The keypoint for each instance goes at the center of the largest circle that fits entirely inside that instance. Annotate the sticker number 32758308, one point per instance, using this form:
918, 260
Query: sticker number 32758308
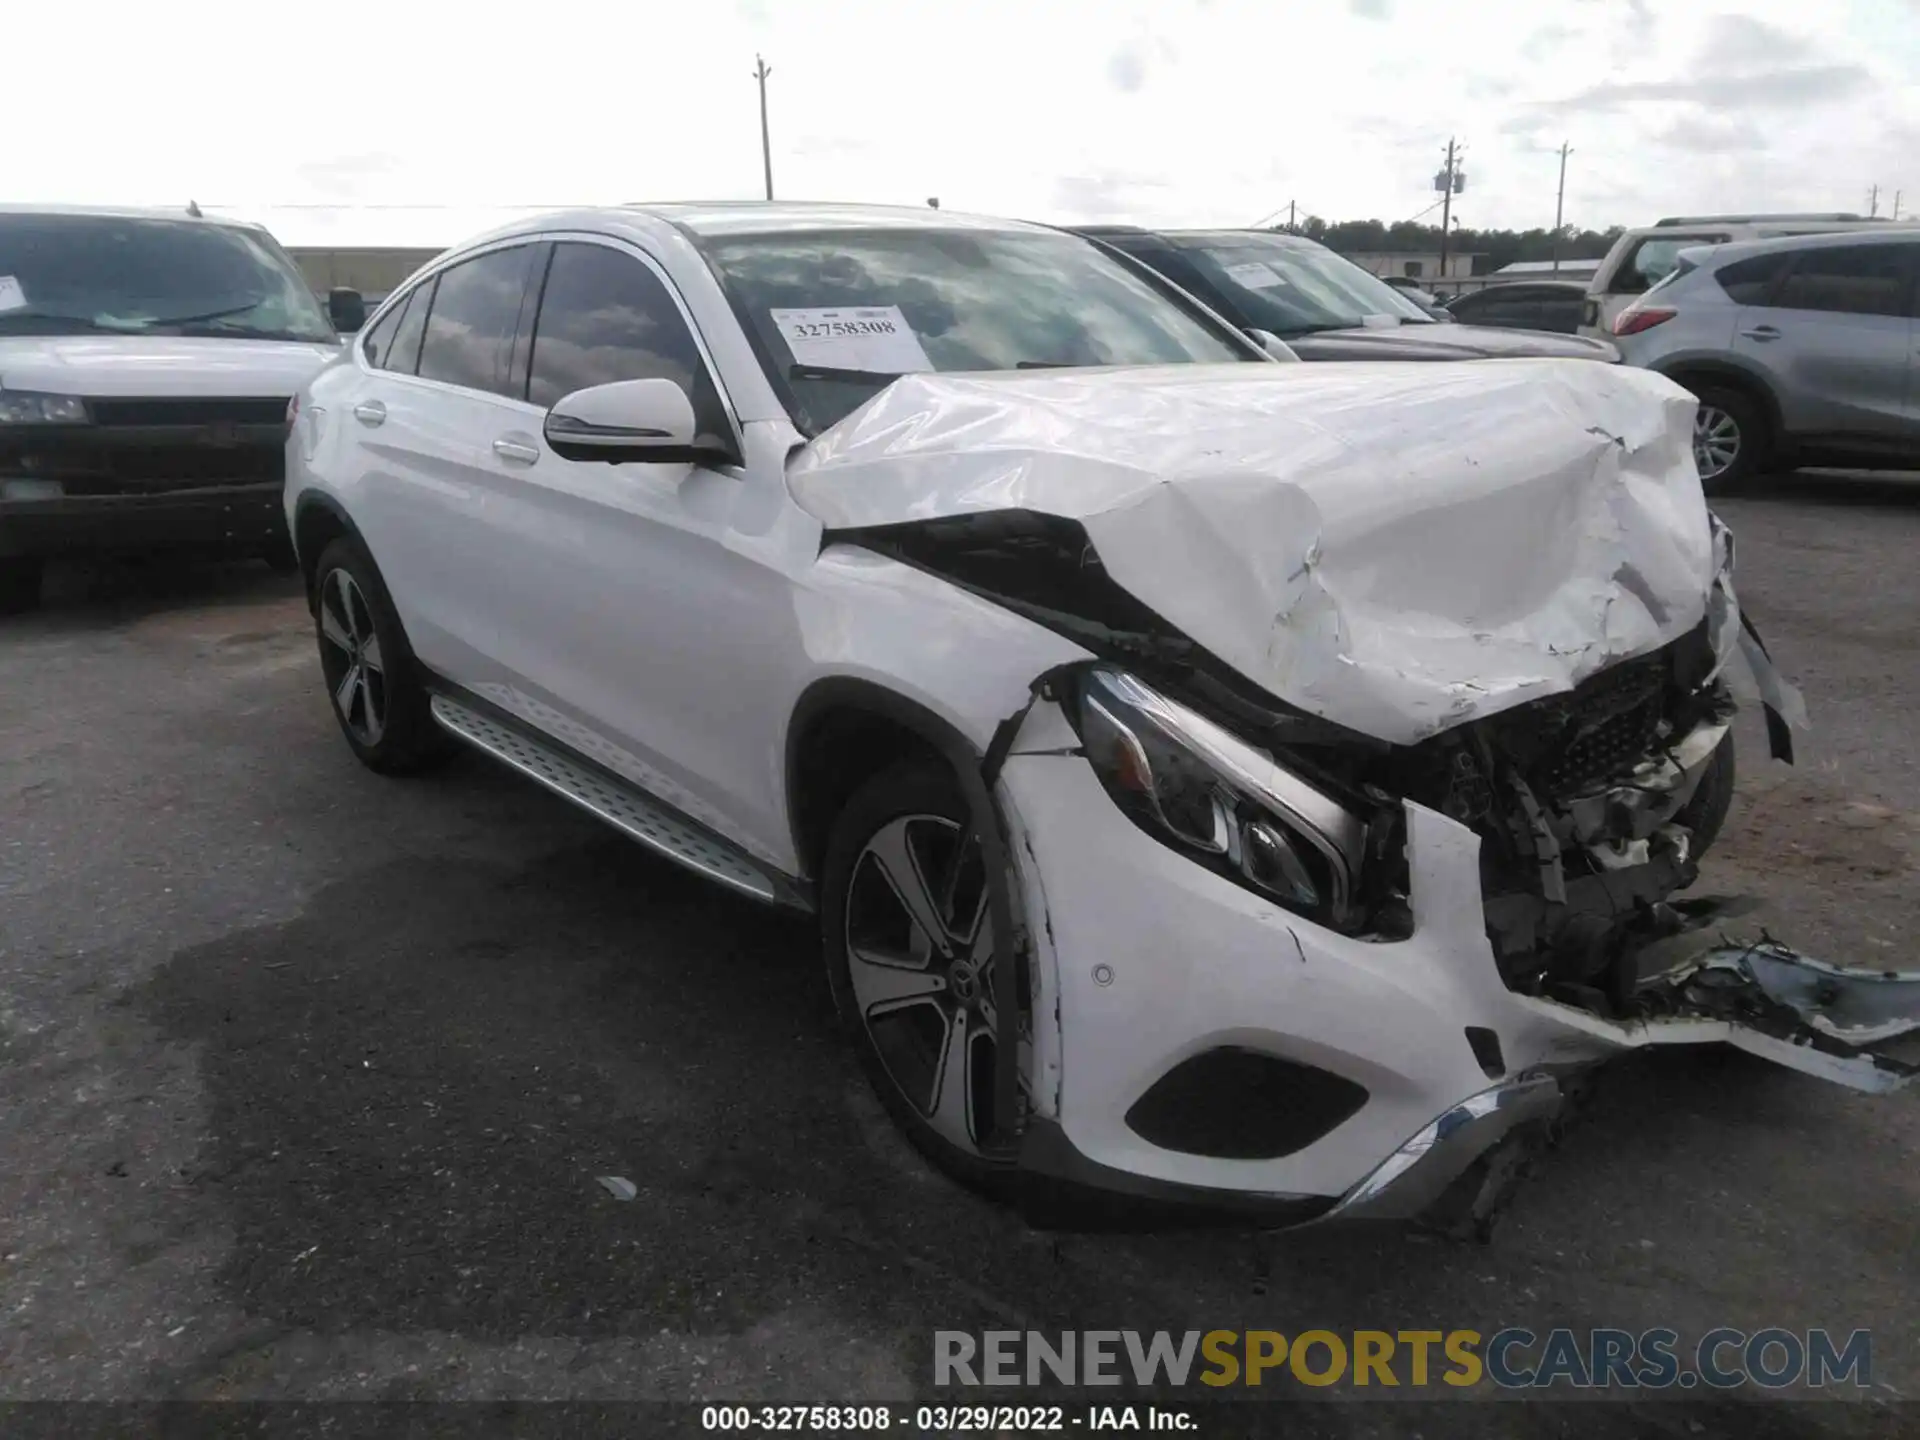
12, 297
871, 337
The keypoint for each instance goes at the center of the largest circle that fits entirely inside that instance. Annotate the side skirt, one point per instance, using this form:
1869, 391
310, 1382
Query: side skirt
613, 800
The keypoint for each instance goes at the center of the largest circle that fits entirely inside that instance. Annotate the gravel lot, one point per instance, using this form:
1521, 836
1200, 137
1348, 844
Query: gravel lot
306, 1076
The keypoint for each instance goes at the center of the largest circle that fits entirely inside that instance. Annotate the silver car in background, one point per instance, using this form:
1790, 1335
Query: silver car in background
1801, 351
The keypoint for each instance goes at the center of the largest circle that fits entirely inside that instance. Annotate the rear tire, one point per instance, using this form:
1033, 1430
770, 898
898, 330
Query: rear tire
1730, 440
905, 820
374, 684
19, 584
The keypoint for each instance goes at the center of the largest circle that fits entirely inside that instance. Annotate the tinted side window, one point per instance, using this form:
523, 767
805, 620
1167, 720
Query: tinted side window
374, 343
404, 354
476, 308
604, 316
1751, 281
1848, 280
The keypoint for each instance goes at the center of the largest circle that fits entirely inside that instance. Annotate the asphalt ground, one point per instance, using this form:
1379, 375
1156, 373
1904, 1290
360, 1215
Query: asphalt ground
306, 1076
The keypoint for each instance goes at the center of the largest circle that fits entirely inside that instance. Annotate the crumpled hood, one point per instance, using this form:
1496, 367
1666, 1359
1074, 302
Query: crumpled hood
1396, 548
159, 366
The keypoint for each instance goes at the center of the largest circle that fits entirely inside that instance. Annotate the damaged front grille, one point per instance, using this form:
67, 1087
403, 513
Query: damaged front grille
1571, 743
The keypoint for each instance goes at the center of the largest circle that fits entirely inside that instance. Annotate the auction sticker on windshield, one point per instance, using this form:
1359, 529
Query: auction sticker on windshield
12, 297
871, 337
1255, 275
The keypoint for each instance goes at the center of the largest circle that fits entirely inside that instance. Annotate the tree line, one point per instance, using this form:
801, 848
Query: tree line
1491, 248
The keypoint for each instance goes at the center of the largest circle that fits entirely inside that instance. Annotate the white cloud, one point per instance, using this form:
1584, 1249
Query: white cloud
1161, 111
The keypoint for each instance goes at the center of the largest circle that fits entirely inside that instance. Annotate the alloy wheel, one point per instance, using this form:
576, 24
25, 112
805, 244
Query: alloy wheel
919, 946
351, 658
1716, 441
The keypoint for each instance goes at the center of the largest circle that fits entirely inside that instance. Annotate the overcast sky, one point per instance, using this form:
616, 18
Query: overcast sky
1175, 112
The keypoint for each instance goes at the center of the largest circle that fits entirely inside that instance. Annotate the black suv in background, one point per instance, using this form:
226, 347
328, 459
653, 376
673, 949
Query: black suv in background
1321, 304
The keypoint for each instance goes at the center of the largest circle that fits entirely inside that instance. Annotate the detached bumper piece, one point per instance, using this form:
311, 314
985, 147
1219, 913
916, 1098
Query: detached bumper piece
1858, 1028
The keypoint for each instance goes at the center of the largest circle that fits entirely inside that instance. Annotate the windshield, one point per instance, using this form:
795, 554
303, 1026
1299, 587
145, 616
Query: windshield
836, 316
98, 274
1295, 289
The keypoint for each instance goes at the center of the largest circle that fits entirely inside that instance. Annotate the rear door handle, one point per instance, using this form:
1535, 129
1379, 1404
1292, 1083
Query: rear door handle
516, 452
370, 412
1761, 332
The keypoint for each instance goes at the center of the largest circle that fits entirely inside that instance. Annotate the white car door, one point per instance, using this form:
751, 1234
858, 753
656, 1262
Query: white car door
643, 613
427, 406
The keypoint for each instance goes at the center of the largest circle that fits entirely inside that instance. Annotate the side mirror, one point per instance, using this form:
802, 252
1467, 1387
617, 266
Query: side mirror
1275, 347
638, 420
346, 309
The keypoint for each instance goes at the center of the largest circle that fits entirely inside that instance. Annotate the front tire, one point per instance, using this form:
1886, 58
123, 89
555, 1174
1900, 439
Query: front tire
909, 945
1729, 438
1705, 814
373, 682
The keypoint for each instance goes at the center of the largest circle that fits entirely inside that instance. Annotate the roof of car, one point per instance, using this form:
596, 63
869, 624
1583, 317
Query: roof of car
754, 217
126, 212
1891, 235
1226, 234
1515, 287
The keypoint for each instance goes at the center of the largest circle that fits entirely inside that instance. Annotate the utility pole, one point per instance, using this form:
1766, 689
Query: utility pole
1559, 204
760, 72
1896, 203
1290, 226
1873, 202
1449, 182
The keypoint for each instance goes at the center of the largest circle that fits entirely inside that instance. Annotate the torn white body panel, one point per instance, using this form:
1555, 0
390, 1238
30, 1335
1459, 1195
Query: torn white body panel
1399, 549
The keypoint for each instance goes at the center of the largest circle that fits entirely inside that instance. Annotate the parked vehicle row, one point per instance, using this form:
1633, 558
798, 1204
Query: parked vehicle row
1641, 258
1321, 304
1121, 701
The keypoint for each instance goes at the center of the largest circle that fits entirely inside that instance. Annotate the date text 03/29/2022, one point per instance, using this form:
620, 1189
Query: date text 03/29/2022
942, 1419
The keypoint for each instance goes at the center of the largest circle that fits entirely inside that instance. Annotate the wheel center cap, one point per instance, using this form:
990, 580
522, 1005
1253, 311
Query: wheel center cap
965, 979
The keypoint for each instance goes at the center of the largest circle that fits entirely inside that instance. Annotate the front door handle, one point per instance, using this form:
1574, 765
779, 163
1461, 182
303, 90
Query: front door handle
1761, 332
516, 452
370, 412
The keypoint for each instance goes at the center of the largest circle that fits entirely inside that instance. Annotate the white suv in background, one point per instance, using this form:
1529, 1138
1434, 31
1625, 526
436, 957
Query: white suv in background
1641, 259
1132, 711
146, 361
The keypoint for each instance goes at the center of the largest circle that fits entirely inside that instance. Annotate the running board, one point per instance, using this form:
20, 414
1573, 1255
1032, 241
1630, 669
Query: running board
619, 804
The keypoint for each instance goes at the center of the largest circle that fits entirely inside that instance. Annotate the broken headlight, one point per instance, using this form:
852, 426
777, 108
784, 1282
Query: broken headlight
1217, 799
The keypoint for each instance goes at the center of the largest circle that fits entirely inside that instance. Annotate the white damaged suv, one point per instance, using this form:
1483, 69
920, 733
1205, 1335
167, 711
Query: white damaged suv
1220, 783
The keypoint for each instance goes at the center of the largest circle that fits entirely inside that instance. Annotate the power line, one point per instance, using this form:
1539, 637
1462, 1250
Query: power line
1291, 210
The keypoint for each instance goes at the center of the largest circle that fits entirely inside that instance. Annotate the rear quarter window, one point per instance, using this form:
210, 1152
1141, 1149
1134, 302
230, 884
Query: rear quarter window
1752, 281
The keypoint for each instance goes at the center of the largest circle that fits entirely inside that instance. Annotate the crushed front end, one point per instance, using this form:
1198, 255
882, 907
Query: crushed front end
1369, 826
1298, 972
